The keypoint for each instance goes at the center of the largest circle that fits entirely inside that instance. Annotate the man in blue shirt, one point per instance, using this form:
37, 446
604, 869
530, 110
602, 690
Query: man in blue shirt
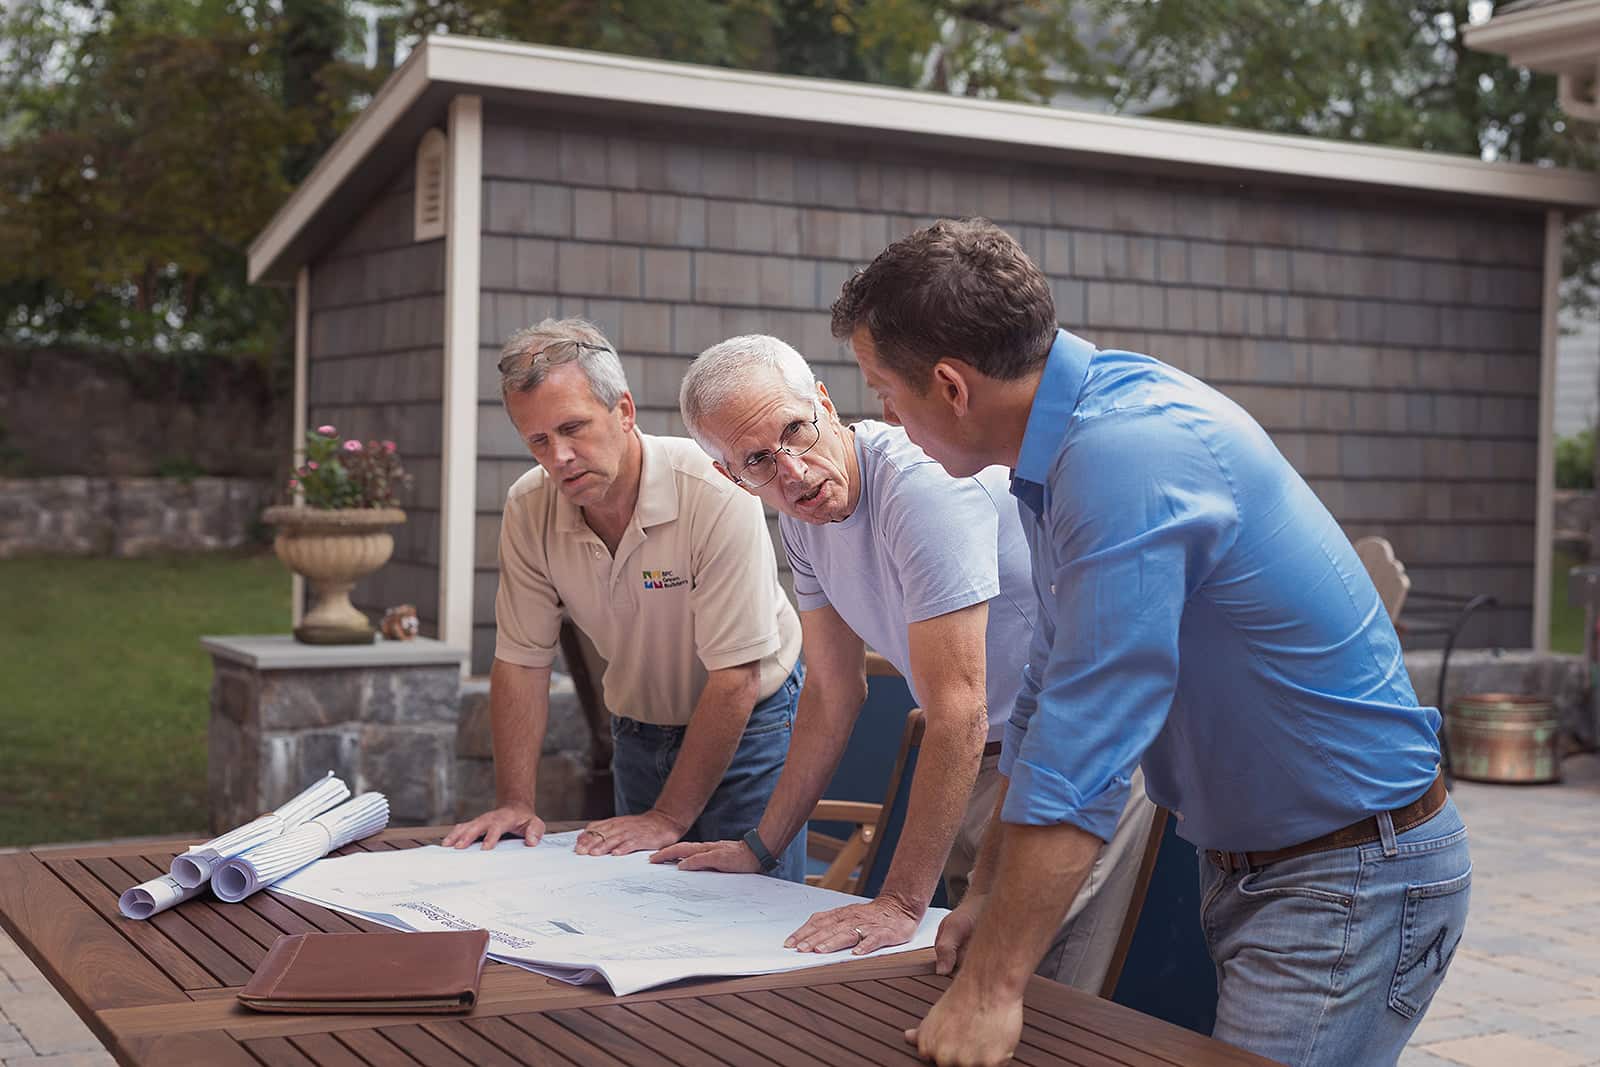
1202, 615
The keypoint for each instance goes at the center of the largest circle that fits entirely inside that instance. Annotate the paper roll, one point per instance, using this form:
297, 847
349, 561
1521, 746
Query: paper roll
156, 895
242, 875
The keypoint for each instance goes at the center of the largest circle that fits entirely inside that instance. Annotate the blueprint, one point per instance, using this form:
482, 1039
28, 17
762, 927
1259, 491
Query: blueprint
622, 919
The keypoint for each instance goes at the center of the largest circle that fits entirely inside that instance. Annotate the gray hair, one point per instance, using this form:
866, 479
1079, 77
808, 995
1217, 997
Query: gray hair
524, 362
726, 369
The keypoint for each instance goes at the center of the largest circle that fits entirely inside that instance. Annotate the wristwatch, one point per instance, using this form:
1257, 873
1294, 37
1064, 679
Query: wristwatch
768, 861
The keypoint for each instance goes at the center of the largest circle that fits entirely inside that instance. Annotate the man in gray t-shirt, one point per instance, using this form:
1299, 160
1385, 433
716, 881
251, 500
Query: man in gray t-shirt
932, 572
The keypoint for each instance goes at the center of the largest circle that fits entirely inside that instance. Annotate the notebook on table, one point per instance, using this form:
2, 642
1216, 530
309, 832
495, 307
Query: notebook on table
384, 971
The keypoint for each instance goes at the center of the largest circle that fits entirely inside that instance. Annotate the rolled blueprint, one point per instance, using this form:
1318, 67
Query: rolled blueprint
158, 894
242, 875
195, 867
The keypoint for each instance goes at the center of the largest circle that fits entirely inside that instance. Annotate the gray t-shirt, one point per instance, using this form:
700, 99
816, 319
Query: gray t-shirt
920, 544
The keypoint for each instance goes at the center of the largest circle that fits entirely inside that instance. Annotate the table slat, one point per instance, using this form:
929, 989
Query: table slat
670, 1045
859, 1041
586, 1026
517, 1044
325, 1051
161, 949
715, 1044
91, 964
768, 1047
424, 1047
178, 924
278, 1052
376, 1049
212, 1049
548, 1032
470, 1044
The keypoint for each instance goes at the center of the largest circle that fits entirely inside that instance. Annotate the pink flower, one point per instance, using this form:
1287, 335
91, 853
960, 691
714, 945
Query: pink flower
326, 431
388, 446
312, 465
294, 483
352, 445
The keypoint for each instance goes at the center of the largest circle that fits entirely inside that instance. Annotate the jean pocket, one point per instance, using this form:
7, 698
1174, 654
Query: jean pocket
1279, 880
1435, 915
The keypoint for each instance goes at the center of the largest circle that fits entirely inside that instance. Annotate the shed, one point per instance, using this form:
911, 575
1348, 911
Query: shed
1387, 315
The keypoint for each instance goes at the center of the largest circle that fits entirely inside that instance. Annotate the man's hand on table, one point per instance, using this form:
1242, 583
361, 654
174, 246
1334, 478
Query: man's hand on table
493, 825
629, 833
862, 928
969, 1027
955, 931
733, 857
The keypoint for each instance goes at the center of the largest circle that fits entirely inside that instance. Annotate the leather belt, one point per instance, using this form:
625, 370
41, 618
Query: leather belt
1363, 832
992, 748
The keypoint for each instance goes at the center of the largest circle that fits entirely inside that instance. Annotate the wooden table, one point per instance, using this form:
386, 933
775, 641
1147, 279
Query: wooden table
162, 992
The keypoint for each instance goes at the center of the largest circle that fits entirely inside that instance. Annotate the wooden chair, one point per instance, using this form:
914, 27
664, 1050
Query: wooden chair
853, 860
1386, 572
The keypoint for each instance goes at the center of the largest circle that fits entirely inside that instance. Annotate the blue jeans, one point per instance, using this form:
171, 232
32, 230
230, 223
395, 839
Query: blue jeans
1330, 960
644, 755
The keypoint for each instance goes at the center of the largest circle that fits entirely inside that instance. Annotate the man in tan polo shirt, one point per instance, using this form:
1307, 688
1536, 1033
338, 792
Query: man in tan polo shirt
669, 569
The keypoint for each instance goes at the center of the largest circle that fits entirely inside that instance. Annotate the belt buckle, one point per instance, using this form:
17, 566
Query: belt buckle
1225, 861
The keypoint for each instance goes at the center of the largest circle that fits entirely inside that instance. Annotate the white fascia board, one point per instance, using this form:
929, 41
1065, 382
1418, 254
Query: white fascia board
870, 109
1541, 38
342, 158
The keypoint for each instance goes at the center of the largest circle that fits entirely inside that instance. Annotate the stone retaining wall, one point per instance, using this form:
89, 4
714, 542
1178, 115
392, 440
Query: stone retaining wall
123, 517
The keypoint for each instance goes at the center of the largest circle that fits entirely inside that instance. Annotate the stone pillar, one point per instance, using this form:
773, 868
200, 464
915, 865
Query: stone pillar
565, 761
381, 716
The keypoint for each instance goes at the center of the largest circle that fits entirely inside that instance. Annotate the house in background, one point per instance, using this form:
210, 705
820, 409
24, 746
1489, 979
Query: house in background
1560, 37
1388, 316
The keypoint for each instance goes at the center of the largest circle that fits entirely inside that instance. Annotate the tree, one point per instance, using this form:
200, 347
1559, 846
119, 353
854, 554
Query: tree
147, 144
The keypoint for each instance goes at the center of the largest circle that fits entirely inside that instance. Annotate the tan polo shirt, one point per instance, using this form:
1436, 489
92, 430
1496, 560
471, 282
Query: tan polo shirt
693, 586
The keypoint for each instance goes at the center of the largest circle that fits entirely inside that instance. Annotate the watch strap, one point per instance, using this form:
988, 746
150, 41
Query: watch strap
768, 861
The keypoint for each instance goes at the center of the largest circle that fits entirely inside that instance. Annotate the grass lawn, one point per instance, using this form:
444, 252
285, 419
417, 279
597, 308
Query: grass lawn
1566, 619
104, 689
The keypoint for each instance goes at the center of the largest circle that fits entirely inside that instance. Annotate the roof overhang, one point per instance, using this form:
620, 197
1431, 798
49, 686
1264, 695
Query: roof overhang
383, 137
1558, 38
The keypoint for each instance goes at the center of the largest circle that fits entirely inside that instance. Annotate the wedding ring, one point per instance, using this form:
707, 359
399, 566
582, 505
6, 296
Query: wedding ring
860, 937
597, 833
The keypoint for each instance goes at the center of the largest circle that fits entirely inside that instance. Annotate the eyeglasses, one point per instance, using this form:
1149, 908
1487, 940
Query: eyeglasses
554, 353
798, 439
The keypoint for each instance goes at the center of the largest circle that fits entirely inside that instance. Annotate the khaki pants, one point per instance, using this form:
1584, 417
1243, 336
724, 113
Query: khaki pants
1081, 953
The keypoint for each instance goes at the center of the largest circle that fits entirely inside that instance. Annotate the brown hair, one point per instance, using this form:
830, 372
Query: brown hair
961, 289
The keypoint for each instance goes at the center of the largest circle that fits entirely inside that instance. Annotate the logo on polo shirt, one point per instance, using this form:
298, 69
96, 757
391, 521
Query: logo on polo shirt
663, 580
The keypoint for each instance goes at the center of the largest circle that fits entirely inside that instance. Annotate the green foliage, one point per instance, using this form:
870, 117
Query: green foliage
145, 145
1575, 461
1009, 49
105, 683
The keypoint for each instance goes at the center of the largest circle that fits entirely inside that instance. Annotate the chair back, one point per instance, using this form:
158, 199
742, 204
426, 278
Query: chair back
877, 767
1386, 572
1163, 966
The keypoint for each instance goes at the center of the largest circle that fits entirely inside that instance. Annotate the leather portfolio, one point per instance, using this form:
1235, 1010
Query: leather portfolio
383, 971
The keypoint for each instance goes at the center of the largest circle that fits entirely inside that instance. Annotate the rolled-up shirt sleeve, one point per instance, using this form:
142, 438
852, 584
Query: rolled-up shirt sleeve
1137, 514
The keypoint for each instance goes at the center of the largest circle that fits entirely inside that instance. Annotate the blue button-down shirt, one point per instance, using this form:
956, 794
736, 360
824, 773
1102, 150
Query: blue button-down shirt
1201, 613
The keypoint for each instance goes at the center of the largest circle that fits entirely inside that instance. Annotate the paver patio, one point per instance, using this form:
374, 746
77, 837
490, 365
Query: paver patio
1524, 988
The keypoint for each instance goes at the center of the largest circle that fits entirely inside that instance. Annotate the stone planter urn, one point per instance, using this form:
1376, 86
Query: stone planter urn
331, 549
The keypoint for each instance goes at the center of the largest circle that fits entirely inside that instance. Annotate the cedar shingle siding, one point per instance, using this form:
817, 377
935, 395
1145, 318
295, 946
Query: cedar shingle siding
375, 370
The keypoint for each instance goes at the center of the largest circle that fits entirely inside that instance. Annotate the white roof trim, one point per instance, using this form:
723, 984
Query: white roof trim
1555, 39
478, 64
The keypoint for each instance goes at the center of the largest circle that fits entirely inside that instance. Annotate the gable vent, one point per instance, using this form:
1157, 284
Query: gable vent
430, 192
